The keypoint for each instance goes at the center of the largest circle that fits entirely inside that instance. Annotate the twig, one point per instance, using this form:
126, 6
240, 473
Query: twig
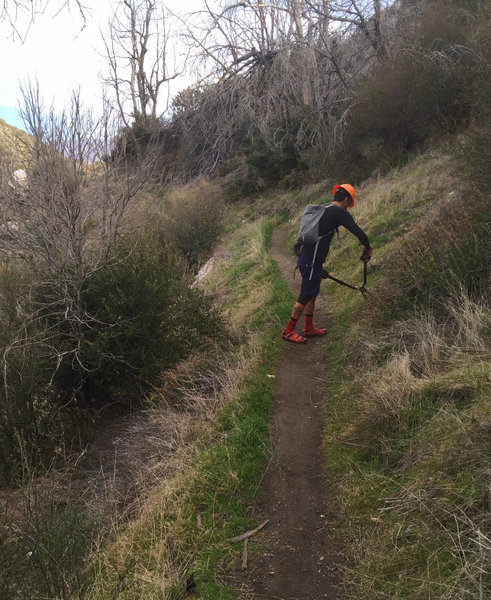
239, 538
275, 597
244, 555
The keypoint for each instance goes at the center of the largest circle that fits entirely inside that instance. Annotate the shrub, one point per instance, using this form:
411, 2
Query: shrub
43, 546
474, 147
131, 141
241, 188
194, 220
144, 318
29, 418
401, 106
428, 88
269, 166
30, 422
149, 318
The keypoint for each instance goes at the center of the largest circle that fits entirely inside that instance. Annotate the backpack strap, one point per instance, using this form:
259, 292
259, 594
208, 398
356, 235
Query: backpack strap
313, 258
317, 244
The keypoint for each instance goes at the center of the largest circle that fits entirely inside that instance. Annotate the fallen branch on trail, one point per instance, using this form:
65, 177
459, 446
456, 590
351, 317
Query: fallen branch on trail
248, 534
244, 555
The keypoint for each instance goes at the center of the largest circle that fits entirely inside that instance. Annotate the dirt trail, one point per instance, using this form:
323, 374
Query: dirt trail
297, 556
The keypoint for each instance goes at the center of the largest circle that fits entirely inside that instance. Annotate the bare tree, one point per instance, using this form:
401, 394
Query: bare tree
347, 17
62, 222
139, 58
245, 35
296, 63
25, 11
277, 54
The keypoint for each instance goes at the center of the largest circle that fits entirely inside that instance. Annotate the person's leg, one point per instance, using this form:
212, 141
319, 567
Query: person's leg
309, 289
289, 331
309, 314
309, 330
295, 316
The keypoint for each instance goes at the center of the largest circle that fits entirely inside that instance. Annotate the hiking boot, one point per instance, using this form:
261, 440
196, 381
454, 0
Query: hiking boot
293, 337
314, 332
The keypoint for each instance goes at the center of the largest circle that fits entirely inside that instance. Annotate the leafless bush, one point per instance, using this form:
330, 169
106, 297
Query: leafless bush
63, 221
58, 228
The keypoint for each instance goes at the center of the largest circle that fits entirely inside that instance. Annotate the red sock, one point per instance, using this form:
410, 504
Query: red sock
291, 325
309, 321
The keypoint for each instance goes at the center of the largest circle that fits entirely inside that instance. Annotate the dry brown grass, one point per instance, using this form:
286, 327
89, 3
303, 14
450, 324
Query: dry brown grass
151, 446
398, 364
422, 392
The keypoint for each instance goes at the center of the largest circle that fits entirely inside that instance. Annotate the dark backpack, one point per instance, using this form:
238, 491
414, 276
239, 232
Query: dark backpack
308, 234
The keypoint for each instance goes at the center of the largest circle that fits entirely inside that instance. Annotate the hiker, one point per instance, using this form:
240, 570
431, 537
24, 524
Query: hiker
311, 258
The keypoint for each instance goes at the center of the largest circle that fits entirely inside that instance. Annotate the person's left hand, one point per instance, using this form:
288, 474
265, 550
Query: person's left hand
325, 274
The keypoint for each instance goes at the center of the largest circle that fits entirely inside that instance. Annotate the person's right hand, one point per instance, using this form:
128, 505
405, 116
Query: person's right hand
366, 255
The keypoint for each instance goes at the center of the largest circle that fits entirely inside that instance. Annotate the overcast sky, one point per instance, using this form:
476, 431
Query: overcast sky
62, 54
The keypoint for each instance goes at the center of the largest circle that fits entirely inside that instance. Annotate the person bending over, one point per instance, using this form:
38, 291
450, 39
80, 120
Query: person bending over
312, 257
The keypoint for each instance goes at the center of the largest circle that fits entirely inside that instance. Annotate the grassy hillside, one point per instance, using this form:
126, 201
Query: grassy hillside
406, 414
407, 410
15, 146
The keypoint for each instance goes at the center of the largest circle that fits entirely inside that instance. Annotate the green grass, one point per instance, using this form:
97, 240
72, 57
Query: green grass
403, 514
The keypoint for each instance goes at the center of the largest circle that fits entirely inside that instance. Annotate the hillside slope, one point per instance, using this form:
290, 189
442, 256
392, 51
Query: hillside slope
408, 385
407, 425
406, 418
15, 146
406, 399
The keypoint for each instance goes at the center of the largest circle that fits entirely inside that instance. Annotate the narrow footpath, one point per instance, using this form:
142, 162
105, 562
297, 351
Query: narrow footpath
297, 555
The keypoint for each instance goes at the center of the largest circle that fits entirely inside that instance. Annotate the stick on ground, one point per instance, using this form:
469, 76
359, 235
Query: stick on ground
244, 555
248, 534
